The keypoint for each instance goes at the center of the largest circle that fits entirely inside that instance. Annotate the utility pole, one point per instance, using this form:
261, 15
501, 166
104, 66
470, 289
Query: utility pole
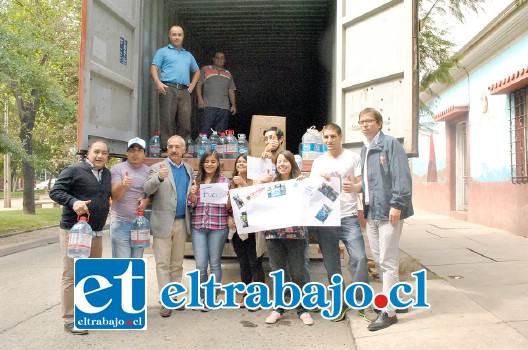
7, 163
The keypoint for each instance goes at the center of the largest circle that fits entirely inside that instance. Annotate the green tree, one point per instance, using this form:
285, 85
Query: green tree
38, 67
436, 56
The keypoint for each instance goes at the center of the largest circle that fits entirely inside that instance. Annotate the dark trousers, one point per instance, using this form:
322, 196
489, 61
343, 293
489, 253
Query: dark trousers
214, 118
250, 265
289, 253
175, 114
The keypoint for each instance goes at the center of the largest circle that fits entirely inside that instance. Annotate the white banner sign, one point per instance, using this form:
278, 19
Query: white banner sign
309, 202
257, 167
216, 193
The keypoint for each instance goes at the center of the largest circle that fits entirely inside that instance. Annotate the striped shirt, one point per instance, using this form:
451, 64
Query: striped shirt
207, 215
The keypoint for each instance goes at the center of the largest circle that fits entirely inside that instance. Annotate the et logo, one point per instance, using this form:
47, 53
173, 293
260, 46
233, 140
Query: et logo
110, 294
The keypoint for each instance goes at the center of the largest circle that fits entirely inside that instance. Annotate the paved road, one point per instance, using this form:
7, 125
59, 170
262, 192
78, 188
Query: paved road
30, 315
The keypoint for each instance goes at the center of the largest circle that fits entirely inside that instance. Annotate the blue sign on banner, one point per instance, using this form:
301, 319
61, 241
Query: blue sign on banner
110, 294
123, 53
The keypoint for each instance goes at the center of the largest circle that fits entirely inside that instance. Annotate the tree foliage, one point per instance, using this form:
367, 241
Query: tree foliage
436, 52
38, 73
436, 56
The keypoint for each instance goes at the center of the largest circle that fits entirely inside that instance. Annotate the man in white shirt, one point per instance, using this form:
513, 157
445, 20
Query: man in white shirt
346, 165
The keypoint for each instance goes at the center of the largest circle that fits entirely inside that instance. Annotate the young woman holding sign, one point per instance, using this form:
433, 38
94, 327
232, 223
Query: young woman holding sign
286, 245
208, 221
245, 244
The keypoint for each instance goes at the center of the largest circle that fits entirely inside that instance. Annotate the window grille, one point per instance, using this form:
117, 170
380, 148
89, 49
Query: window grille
518, 135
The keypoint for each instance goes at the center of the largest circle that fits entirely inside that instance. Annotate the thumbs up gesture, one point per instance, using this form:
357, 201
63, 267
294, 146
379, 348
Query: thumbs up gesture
127, 180
163, 171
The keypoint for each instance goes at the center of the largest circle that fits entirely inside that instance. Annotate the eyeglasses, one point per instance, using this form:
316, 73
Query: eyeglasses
366, 121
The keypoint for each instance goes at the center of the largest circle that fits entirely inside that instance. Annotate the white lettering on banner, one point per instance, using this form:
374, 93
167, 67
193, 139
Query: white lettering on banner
215, 193
310, 202
257, 167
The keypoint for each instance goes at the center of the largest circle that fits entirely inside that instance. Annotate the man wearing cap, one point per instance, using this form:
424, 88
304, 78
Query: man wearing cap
128, 179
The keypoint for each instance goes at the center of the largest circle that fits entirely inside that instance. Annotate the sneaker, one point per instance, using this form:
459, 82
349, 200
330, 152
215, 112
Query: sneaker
204, 308
342, 315
368, 314
307, 319
273, 317
68, 327
164, 312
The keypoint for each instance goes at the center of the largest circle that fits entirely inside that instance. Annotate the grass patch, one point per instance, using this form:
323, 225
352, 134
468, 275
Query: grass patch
16, 221
20, 194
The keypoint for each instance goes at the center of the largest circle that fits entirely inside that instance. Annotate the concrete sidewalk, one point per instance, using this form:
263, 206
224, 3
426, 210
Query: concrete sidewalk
479, 301
477, 288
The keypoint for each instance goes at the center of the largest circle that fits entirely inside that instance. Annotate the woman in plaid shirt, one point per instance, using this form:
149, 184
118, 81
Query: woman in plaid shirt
208, 221
286, 245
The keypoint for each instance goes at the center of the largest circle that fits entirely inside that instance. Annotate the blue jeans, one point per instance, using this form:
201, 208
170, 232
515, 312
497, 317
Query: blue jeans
208, 246
214, 118
350, 234
120, 234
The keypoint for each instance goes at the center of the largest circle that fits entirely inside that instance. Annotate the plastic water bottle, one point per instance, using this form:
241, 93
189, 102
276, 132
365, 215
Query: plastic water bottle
309, 144
202, 145
140, 233
213, 139
231, 145
320, 144
242, 144
298, 160
221, 145
154, 145
80, 240
191, 148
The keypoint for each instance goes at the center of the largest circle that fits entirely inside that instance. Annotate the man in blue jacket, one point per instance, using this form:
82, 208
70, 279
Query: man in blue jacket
83, 188
387, 194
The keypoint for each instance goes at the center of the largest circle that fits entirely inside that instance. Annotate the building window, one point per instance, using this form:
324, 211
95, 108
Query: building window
518, 135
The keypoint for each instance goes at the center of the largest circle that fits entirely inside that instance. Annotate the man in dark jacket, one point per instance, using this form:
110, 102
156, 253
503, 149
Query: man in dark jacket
82, 188
387, 195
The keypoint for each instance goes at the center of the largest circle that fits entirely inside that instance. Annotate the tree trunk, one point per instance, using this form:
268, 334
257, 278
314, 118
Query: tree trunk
27, 111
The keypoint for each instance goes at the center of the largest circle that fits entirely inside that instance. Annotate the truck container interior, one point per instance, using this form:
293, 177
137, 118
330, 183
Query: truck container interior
279, 52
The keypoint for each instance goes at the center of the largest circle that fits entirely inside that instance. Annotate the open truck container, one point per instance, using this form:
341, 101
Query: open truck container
313, 61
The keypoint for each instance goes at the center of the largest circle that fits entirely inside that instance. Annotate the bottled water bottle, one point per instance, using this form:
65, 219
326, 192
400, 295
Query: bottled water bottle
298, 160
242, 144
191, 148
309, 145
231, 145
154, 145
80, 240
221, 145
202, 145
213, 139
140, 233
320, 144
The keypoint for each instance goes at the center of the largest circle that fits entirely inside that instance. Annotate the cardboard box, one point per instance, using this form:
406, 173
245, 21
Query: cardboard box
259, 123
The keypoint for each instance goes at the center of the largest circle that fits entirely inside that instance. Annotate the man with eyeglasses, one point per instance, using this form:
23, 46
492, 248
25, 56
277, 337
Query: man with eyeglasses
273, 138
387, 189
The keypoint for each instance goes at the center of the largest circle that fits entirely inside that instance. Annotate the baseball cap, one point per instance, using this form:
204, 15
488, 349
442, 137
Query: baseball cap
137, 141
